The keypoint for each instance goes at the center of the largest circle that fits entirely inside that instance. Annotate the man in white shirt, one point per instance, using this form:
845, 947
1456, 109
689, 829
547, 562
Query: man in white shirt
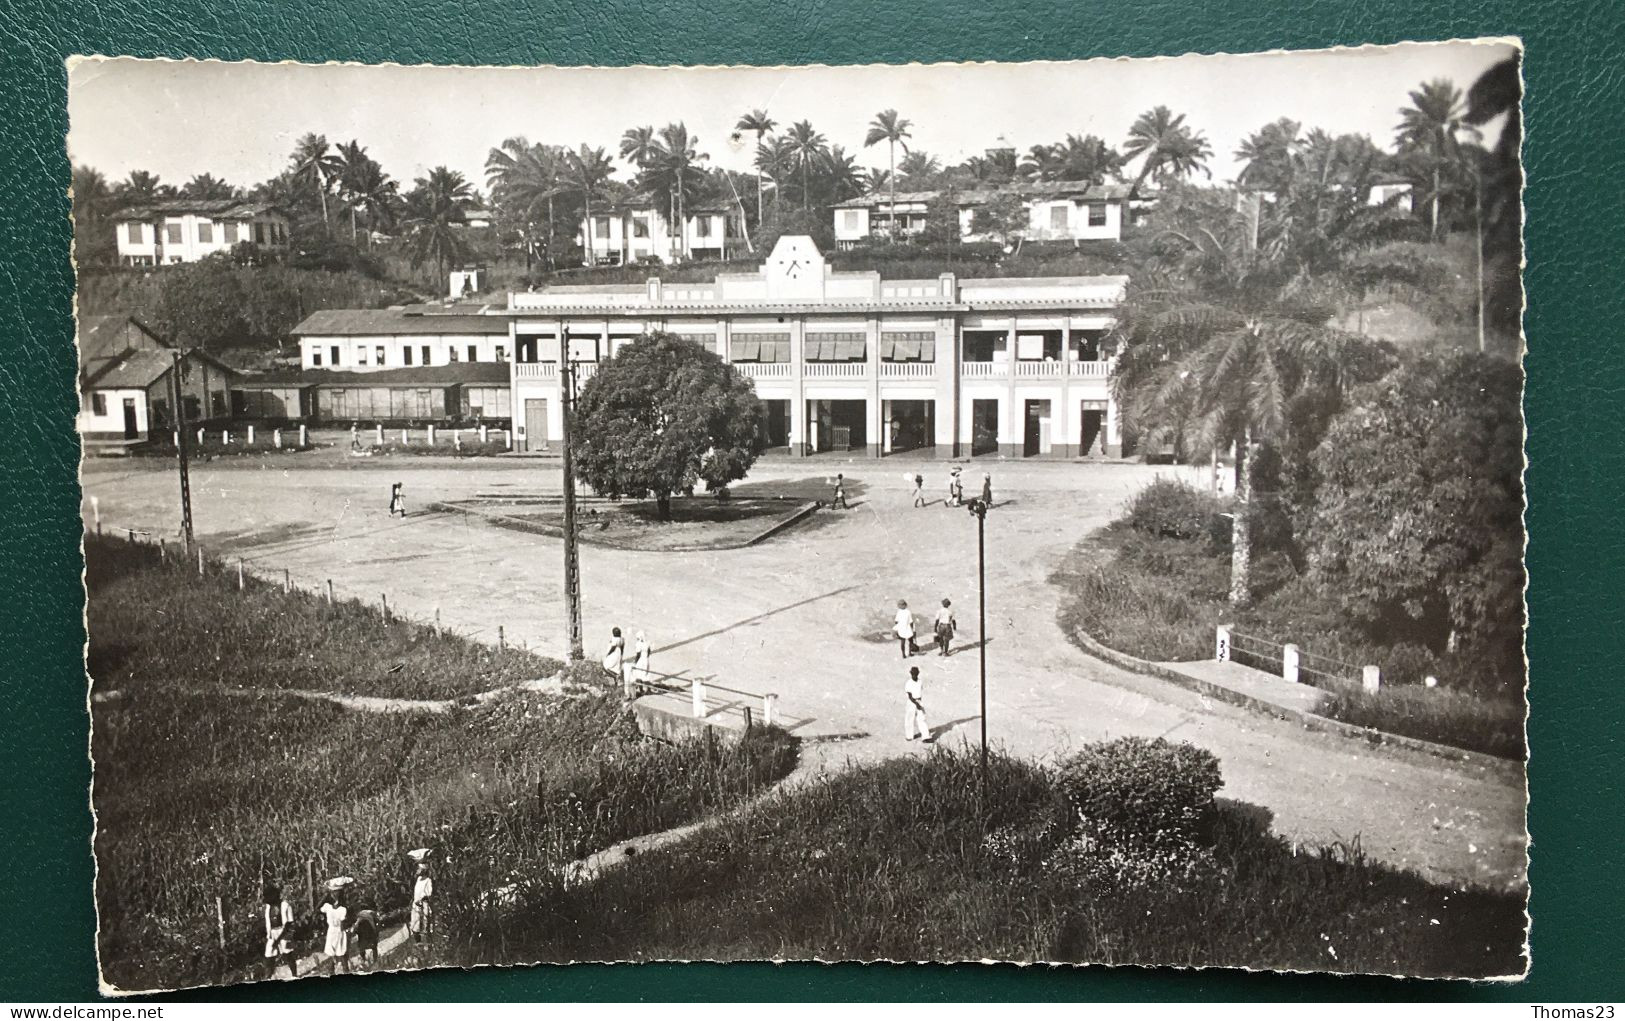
914, 708
903, 627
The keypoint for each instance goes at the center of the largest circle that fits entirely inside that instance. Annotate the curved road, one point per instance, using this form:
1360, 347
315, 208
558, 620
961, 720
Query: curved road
802, 615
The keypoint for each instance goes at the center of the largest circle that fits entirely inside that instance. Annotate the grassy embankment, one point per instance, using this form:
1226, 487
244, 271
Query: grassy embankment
1159, 597
894, 861
200, 793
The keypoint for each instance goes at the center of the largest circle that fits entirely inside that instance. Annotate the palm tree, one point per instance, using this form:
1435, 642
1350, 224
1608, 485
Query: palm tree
893, 130
920, 169
207, 186
808, 150
844, 177
315, 162
435, 204
759, 122
774, 159
1087, 159
1042, 163
525, 179
676, 157
638, 145
1271, 155
1430, 130
142, 188
1171, 149
588, 170
93, 200
366, 190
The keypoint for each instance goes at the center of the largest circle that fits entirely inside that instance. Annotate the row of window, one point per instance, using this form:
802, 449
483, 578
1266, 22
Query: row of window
640, 226
230, 231
380, 352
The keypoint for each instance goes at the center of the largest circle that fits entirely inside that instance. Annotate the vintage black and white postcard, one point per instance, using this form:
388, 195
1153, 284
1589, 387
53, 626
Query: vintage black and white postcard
1053, 512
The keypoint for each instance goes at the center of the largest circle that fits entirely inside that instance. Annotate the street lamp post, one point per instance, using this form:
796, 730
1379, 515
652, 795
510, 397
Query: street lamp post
978, 508
572, 560
180, 449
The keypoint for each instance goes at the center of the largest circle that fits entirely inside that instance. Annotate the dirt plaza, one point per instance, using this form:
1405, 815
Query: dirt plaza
804, 615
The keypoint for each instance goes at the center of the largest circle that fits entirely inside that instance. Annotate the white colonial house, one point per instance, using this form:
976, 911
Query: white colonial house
127, 383
1072, 211
635, 232
850, 362
186, 230
1387, 188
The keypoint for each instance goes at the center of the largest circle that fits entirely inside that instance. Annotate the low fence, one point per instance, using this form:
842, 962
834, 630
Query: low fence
1293, 664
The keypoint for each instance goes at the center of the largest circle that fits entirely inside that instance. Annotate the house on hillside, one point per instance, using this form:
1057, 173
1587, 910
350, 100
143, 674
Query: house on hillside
186, 230
1391, 187
636, 231
127, 382
1072, 211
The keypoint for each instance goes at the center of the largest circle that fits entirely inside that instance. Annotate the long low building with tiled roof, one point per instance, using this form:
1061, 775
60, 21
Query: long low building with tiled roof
1074, 211
186, 230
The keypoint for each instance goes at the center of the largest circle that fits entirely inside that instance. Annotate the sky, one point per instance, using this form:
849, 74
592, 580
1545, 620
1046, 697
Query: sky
240, 121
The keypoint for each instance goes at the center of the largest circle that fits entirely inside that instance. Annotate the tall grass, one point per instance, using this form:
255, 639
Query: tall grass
202, 794
897, 861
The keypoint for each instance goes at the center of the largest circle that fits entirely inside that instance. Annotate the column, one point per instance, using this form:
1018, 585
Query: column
879, 442
799, 433
1010, 422
946, 410
1066, 422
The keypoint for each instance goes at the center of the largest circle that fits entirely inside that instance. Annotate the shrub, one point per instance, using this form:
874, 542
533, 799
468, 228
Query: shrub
1173, 510
1142, 790
1408, 663
1494, 726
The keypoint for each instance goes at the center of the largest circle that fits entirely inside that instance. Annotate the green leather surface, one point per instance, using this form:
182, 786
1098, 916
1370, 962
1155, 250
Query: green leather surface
1573, 159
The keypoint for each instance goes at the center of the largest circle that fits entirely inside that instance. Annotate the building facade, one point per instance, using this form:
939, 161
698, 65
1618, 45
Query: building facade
635, 232
127, 382
183, 230
1072, 211
852, 363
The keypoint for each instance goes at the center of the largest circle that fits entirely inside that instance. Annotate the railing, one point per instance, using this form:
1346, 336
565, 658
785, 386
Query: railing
536, 370
908, 370
984, 370
764, 370
1038, 370
1291, 662
1089, 370
836, 370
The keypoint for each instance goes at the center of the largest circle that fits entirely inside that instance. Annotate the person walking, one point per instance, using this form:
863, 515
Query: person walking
914, 724
945, 626
956, 489
987, 489
278, 917
840, 493
422, 918
337, 946
903, 627
615, 655
397, 500
919, 490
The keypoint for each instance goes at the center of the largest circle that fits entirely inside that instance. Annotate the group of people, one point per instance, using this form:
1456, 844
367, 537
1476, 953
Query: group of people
347, 932
943, 628
631, 668
956, 488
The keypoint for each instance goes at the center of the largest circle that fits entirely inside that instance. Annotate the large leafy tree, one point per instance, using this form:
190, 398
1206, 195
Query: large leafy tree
1417, 522
662, 416
1430, 135
893, 130
434, 207
1170, 149
759, 122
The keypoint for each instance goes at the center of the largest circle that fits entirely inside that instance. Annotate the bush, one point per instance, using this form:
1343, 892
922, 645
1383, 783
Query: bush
1494, 726
1174, 510
1408, 663
1142, 790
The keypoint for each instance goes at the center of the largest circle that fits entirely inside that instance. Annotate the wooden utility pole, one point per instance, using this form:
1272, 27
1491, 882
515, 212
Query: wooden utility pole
180, 448
979, 509
572, 560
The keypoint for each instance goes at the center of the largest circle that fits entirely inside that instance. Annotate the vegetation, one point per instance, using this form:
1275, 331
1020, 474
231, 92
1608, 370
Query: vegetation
661, 416
900, 861
202, 794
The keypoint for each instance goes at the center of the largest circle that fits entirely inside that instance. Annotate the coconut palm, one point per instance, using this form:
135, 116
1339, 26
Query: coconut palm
1087, 159
526, 180
759, 122
1430, 131
1170, 149
843, 177
434, 206
893, 130
207, 186
776, 158
1271, 155
366, 190
676, 160
316, 163
142, 188
588, 170
808, 150
1042, 163
920, 169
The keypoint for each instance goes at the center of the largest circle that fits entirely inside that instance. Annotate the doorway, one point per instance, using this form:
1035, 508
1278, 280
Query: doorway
535, 424
984, 426
1035, 437
910, 425
1089, 429
130, 430
776, 424
837, 425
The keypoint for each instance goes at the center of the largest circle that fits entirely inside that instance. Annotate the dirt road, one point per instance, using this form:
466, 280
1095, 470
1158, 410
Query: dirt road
803, 616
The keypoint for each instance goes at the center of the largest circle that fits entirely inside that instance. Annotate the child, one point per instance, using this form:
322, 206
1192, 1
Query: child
919, 490
987, 489
945, 627
840, 493
422, 897
337, 946
278, 918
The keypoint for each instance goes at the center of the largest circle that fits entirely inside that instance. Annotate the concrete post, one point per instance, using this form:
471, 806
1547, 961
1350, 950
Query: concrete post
405, 437
457, 439
1289, 663
176, 435
251, 436
770, 703
380, 433
1431, 681
96, 512
1221, 643
239, 573
200, 560
225, 437
697, 690
330, 592
276, 438
431, 435
287, 581
304, 437
507, 436
1371, 679
485, 435
200, 437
